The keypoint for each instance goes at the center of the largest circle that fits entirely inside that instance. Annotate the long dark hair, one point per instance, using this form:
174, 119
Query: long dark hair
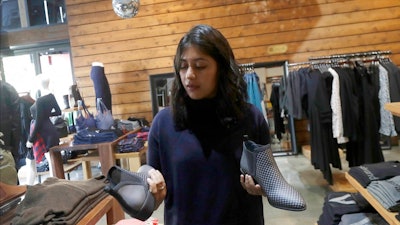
231, 88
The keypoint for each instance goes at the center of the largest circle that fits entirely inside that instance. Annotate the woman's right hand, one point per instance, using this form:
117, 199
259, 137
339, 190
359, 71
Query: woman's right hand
157, 185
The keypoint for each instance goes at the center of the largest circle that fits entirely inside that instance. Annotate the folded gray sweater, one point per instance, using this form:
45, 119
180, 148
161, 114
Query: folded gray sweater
58, 200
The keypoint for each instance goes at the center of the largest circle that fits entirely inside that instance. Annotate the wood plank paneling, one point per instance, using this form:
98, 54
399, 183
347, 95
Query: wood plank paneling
26, 37
300, 27
133, 49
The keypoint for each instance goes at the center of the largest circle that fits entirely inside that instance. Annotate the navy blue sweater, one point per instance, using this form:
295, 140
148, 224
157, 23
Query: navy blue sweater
205, 188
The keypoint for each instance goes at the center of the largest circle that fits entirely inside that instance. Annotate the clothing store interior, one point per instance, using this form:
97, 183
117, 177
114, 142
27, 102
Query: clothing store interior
92, 75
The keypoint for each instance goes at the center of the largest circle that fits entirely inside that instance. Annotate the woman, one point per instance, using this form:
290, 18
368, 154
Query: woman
196, 144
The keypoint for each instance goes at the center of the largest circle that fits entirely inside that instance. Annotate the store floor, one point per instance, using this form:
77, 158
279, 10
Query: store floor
299, 172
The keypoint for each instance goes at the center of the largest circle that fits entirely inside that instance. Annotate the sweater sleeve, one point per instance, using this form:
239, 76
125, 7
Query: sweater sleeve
54, 105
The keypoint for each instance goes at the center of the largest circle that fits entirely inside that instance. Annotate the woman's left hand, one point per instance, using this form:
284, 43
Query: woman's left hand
250, 186
157, 185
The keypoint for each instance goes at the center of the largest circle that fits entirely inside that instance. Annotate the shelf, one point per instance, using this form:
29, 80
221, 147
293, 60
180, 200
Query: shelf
390, 217
73, 109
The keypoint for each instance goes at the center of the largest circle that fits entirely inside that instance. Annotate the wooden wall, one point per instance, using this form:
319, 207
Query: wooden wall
133, 49
32, 37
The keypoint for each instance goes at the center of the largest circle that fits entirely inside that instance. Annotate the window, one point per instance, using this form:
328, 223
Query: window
58, 67
46, 12
17, 14
21, 71
10, 18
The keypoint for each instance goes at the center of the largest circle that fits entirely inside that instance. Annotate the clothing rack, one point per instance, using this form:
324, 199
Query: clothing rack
352, 55
323, 63
341, 58
299, 64
246, 67
276, 79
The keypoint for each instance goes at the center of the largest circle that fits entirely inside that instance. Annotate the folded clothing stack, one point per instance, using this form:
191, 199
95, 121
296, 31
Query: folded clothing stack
128, 125
382, 180
59, 201
10, 196
387, 192
362, 218
87, 136
131, 143
338, 204
366, 173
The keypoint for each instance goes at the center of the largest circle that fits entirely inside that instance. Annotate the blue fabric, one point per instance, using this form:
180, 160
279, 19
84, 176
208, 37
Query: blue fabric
104, 117
84, 120
87, 136
101, 86
130, 144
204, 190
253, 90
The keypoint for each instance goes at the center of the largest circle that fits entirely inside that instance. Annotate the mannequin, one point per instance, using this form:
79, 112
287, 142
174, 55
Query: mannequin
100, 82
42, 129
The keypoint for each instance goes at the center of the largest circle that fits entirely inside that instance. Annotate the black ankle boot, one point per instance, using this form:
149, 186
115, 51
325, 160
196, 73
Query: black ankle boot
131, 191
66, 101
75, 94
258, 161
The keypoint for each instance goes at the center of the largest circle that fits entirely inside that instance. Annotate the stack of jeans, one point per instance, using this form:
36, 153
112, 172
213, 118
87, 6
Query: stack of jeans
132, 143
94, 136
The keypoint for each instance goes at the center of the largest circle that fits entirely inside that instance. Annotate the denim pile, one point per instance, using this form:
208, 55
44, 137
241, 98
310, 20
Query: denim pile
132, 143
88, 136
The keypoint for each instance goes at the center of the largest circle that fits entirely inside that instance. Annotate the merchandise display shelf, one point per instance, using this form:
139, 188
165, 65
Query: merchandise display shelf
390, 217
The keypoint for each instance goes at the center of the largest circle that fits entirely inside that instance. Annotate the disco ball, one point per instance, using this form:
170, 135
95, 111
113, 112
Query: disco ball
126, 8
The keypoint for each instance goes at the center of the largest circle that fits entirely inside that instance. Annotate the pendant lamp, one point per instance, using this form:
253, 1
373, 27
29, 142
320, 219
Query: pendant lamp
126, 8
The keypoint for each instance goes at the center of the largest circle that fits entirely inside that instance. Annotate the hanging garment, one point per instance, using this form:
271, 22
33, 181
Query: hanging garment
324, 148
39, 146
295, 90
349, 101
278, 120
387, 127
394, 86
366, 147
336, 106
253, 89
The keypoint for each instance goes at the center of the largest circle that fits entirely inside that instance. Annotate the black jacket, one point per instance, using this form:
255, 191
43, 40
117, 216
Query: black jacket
10, 120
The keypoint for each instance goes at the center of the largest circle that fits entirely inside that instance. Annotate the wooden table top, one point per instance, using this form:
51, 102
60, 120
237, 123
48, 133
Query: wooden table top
393, 107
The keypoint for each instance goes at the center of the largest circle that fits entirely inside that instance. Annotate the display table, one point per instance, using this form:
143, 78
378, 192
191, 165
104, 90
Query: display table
388, 216
130, 161
68, 168
106, 150
393, 107
108, 207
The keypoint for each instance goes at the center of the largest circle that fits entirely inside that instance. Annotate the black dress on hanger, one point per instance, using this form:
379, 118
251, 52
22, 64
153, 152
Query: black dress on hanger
278, 120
